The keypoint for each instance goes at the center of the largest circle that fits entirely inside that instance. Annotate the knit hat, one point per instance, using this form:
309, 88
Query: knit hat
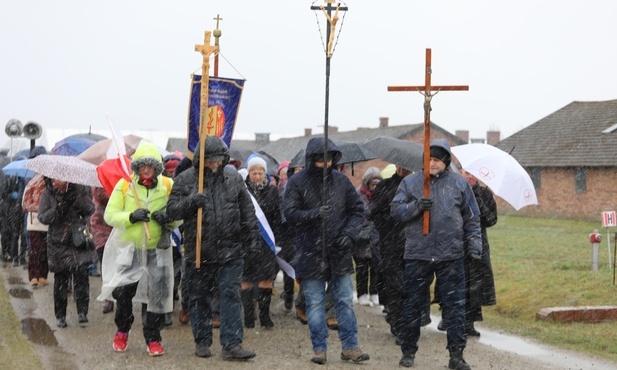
256, 162
170, 165
441, 154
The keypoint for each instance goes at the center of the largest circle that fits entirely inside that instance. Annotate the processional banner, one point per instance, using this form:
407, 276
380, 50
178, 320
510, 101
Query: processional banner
224, 95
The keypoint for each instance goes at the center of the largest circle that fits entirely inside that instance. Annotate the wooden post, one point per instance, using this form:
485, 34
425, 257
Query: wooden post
426, 91
206, 49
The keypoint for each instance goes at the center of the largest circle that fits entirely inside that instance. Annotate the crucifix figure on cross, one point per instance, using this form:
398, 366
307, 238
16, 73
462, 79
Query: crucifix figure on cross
426, 91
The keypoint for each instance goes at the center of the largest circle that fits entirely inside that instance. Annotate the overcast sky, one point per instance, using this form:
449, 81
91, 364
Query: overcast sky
67, 63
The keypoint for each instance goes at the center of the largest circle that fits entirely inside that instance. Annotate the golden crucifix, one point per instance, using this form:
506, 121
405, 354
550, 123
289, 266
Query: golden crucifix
332, 21
206, 50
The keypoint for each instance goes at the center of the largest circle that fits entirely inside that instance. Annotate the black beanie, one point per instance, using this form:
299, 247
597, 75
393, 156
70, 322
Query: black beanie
441, 154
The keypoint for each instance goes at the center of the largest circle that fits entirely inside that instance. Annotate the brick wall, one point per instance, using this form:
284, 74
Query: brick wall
557, 197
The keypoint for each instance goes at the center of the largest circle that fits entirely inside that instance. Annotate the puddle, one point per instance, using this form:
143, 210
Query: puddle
38, 332
20, 293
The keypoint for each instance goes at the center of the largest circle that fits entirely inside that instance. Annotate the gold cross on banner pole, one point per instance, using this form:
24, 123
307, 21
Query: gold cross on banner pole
428, 96
206, 50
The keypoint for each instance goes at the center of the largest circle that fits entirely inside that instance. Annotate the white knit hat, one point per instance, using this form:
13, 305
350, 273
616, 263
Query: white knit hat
257, 162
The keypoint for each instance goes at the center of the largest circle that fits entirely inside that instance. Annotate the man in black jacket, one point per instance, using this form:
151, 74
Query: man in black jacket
230, 233
319, 261
392, 246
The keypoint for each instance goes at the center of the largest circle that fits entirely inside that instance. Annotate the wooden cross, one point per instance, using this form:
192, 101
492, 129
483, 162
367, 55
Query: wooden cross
330, 33
206, 50
426, 91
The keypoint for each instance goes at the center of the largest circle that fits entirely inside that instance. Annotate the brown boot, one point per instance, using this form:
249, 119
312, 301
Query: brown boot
332, 323
183, 317
301, 316
319, 357
354, 354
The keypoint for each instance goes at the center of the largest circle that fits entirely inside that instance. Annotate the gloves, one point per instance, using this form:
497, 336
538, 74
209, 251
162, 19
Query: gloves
198, 200
160, 217
324, 211
140, 214
424, 204
344, 242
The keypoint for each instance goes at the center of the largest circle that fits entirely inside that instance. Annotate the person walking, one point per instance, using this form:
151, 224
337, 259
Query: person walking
137, 259
479, 272
454, 220
230, 233
261, 271
330, 261
61, 206
367, 279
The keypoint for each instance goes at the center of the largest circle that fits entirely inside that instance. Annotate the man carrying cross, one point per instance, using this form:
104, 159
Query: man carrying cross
454, 220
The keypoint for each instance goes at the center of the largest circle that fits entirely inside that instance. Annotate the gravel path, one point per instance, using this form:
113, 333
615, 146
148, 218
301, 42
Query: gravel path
287, 346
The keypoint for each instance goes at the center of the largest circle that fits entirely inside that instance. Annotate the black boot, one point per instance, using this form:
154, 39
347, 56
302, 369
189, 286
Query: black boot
265, 296
457, 361
471, 330
249, 307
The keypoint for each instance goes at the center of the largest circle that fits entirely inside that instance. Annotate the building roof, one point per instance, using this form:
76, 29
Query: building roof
581, 134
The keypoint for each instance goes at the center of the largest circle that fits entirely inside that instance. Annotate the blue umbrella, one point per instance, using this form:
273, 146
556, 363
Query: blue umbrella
17, 168
72, 146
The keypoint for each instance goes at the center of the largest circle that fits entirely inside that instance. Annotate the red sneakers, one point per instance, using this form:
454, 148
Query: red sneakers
121, 340
155, 349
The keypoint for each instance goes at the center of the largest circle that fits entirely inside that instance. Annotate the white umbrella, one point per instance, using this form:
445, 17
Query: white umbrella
65, 168
499, 171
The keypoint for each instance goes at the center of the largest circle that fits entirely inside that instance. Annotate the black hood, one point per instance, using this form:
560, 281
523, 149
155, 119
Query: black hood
315, 147
215, 147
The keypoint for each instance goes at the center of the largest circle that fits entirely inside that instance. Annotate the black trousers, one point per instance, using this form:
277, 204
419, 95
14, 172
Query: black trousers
81, 290
124, 314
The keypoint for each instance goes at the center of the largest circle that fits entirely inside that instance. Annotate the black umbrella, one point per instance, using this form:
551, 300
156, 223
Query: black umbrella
354, 152
298, 160
241, 155
407, 154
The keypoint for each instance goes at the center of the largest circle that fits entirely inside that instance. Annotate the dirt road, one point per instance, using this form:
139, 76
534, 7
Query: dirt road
287, 346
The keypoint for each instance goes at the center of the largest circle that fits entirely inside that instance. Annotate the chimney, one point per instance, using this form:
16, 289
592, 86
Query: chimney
383, 121
262, 138
308, 131
332, 129
463, 135
493, 137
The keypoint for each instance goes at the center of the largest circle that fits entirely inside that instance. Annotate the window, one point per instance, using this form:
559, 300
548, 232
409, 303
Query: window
580, 180
536, 175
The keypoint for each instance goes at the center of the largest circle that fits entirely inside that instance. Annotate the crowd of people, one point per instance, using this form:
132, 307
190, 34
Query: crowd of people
206, 233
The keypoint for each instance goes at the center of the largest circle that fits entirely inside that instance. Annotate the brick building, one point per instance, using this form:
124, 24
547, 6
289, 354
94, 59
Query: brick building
571, 156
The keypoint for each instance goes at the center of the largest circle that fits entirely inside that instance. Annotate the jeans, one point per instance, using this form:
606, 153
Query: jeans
418, 277
202, 285
341, 288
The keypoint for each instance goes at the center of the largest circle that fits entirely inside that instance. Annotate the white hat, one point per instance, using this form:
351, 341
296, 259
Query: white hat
257, 162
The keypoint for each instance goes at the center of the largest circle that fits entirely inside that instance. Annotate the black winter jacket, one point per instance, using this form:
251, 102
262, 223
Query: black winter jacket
229, 224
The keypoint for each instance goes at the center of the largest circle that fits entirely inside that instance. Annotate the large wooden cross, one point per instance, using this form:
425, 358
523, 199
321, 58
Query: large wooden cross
206, 50
427, 90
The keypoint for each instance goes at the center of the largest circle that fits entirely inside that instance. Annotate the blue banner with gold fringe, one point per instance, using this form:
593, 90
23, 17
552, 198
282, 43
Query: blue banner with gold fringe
224, 96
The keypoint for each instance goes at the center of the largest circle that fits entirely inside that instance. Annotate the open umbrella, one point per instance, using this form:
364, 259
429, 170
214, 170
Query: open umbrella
65, 168
106, 149
18, 168
354, 152
407, 154
499, 171
298, 160
71, 146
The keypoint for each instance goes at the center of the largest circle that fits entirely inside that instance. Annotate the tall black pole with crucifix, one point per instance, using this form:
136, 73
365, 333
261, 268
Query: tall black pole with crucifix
426, 91
329, 49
